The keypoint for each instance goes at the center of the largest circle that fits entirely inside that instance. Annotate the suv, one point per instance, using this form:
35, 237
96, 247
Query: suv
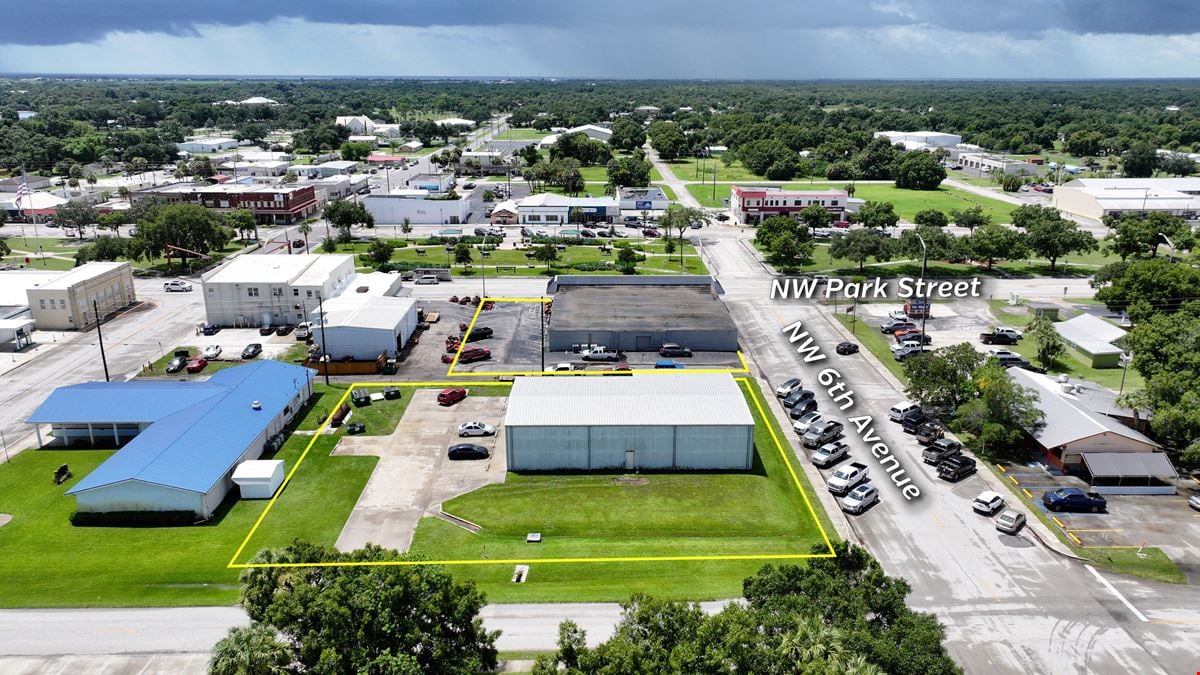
1074, 499
956, 468
860, 498
451, 396
789, 385
474, 354
807, 420
672, 349
821, 433
480, 333
892, 326
177, 285
941, 450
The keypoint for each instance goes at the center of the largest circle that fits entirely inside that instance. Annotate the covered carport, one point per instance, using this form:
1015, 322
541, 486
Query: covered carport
1131, 473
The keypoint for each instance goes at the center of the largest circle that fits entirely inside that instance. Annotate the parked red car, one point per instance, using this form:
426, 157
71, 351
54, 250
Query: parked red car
196, 365
841, 223
451, 396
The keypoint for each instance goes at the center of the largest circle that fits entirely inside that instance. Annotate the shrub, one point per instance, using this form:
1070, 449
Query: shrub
593, 265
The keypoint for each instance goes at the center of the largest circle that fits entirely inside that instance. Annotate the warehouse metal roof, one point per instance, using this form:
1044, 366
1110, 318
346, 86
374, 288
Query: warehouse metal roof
1128, 464
198, 430
365, 311
623, 307
708, 399
1091, 334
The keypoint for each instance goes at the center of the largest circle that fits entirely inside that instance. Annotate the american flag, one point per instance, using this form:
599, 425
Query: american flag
22, 190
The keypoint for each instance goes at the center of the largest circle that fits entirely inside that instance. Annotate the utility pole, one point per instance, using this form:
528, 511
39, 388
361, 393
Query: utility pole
324, 345
925, 287
100, 338
542, 325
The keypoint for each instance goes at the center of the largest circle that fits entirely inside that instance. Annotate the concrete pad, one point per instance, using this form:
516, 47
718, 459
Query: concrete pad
122, 664
413, 476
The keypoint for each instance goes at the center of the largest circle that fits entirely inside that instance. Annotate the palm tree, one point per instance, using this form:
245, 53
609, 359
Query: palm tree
813, 641
250, 650
859, 665
305, 228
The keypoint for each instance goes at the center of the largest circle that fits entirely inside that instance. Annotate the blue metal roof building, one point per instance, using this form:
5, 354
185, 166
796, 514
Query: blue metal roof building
188, 437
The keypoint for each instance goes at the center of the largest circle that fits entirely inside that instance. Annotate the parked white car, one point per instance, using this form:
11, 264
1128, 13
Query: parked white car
475, 429
1010, 522
898, 315
860, 498
560, 368
177, 285
988, 503
789, 385
212, 351
426, 280
802, 425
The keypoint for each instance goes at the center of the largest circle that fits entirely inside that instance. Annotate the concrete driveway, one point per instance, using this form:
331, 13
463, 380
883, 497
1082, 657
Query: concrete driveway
413, 476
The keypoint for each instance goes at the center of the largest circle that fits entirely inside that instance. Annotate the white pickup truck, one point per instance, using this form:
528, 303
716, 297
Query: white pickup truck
560, 368
600, 354
846, 478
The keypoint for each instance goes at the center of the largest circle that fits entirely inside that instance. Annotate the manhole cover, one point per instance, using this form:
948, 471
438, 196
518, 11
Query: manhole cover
5, 518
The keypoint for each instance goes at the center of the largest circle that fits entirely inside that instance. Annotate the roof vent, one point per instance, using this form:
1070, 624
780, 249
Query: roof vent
256, 405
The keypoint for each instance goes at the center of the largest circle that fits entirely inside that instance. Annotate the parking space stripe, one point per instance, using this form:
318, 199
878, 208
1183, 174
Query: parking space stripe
1114, 591
1074, 530
1028, 494
1058, 522
1074, 538
1002, 469
1014, 480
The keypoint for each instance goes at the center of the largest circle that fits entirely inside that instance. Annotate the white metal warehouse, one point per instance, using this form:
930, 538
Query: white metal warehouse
364, 326
643, 422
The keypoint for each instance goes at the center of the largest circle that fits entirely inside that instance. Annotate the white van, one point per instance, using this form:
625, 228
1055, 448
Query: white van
428, 279
901, 409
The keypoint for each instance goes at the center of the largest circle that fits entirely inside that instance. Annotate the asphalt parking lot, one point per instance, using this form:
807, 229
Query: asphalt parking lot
414, 476
233, 340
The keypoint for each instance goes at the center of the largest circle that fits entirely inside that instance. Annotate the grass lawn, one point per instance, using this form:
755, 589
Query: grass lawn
47, 244
36, 263
1083, 301
589, 189
610, 514
594, 174
529, 267
688, 169
155, 566
521, 134
1016, 316
670, 193
907, 202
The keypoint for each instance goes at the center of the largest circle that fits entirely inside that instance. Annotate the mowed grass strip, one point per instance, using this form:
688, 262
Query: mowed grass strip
50, 563
907, 202
608, 514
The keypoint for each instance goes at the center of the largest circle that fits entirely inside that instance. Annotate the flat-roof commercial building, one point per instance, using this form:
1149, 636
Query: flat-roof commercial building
210, 144
253, 290
325, 169
592, 131
639, 313
1094, 337
363, 327
270, 204
755, 204
643, 198
984, 163
391, 208
66, 302
272, 168
1099, 197
181, 440
628, 423
432, 182
548, 208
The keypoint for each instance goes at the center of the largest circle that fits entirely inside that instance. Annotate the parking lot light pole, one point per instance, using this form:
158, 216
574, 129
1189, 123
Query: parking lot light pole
100, 338
924, 270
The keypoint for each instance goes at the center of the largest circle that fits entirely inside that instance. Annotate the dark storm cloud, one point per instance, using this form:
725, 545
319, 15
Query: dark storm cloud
56, 22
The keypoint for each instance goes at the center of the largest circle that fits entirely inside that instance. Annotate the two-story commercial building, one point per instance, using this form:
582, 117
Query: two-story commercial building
751, 205
270, 204
253, 290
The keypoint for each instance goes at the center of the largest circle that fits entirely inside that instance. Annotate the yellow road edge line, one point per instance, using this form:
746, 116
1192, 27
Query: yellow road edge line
510, 561
1075, 530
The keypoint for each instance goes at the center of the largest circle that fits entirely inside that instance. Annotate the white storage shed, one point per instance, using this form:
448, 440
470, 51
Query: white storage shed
363, 326
258, 478
697, 421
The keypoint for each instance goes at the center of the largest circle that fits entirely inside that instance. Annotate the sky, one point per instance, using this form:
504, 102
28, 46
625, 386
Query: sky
631, 39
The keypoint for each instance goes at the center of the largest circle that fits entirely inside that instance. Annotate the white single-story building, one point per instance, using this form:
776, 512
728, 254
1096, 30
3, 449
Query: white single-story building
1099, 197
411, 146
325, 169
632, 423
984, 163
210, 144
391, 208
265, 168
1094, 337
923, 138
547, 208
369, 139
363, 326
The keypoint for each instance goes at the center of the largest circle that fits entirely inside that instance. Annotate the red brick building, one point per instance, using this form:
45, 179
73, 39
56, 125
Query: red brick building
270, 204
751, 205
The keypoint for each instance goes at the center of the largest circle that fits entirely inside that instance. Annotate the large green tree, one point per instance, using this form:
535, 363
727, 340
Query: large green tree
189, 228
627, 134
368, 618
787, 242
1051, 236
941, 379
833, 615
679, 218
1139, 235
628, 172
1154, 285
970, 218
1049, 343
861, 244
919, 171
999, 415
992, 241
668, 140
1139, 161
876, 214
1166, 352
76, 214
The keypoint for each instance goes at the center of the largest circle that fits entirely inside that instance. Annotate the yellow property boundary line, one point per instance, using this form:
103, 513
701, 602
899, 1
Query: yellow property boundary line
234, 564
543, 300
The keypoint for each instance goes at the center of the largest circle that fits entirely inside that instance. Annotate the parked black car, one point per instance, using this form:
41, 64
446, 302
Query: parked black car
672, 349
956, 468
176, 363
467, 451
797, 396
252, 350
480, 333
284, 330
846, 348
913, 420
803, 407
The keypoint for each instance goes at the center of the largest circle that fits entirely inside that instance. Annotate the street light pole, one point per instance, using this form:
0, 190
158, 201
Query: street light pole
100, 338
1126, 358
1169, 245
924, 286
